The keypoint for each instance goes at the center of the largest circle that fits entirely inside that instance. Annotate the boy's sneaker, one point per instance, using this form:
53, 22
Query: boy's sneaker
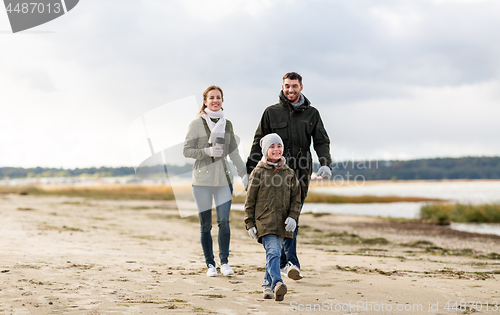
212, 271
226, 270
279, 291
268, 292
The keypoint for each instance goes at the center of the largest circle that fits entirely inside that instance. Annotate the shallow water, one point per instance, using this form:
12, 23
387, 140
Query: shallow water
477, 228
465, 192
470, 191
407, 210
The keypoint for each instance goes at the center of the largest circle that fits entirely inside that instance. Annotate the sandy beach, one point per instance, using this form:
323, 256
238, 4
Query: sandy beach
63, 255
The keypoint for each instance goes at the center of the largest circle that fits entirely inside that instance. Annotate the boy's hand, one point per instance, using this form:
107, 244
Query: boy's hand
253, 233
291, 224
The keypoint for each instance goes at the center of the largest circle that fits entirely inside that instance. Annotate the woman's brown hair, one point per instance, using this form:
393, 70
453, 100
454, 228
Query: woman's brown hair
205, 93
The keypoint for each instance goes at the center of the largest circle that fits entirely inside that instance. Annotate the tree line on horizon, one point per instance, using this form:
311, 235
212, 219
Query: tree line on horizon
419, 169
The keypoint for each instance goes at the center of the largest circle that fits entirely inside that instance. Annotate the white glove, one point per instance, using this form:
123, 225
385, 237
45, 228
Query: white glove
291, 224
215, 151
245, 181
253, 233
324, 172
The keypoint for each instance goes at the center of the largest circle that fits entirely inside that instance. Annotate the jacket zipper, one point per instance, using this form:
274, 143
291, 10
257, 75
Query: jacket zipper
290, 128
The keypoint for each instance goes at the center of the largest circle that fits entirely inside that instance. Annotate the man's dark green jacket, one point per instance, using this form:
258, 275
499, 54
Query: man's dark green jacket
296, 128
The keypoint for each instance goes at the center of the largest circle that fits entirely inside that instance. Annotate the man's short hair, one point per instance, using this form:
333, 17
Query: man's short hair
293, 76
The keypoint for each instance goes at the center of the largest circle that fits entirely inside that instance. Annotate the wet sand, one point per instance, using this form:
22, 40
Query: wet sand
64, 255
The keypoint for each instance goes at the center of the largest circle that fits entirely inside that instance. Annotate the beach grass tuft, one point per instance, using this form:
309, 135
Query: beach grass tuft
461, 213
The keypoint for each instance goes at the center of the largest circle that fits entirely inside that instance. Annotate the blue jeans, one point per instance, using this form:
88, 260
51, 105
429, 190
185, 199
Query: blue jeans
273, 244
222, 196
289, 252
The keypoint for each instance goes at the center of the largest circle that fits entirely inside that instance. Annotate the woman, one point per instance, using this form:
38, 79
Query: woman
210, 139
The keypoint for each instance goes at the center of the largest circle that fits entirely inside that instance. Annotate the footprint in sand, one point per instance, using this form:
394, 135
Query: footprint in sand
190, 281
256, 311
244, 302
226, 311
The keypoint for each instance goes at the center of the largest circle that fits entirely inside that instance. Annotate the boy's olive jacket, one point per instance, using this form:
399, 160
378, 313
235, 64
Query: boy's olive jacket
271, 198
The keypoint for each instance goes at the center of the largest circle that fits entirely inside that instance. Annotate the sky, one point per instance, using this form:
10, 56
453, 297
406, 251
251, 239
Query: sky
392, 79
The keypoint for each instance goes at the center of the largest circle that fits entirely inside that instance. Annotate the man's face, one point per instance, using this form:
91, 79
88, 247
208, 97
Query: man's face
292, 89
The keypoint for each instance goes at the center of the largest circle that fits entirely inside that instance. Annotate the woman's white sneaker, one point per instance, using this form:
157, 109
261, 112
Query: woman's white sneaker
212, 271
226, 270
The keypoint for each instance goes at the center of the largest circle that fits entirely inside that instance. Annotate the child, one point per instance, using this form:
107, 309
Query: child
272, 207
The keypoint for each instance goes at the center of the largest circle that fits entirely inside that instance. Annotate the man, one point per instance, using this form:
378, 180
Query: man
296, 122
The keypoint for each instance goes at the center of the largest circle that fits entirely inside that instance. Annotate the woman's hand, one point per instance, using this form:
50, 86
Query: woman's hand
245, 181
215, 151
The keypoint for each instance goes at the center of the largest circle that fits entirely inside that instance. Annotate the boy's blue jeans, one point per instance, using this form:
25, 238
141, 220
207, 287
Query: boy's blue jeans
289, 252
222, 196
273, 244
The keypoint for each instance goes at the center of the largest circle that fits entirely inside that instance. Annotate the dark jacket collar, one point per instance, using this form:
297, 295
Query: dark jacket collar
286, 103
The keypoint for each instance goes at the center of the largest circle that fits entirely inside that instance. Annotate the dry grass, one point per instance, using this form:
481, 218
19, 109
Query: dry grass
165, 192
461, 213
328, 198
102, 191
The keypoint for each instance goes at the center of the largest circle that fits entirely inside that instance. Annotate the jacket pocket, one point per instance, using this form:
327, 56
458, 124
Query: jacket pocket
264, 220
280, 128
203, 171
286, 196
262, 209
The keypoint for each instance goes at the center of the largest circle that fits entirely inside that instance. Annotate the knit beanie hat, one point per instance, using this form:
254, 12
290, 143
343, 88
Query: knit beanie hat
268, 140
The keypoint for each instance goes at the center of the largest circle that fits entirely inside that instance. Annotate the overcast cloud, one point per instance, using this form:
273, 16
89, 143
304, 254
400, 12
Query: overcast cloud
392, 79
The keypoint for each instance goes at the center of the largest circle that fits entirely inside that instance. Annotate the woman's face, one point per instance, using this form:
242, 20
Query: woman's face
214, 100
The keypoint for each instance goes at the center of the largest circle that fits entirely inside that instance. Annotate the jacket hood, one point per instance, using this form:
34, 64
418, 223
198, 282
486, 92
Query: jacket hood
286, 103
264, 165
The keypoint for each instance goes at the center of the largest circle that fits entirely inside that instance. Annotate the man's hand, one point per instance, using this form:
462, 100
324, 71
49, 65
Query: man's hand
253, 232
324, 172
245, 181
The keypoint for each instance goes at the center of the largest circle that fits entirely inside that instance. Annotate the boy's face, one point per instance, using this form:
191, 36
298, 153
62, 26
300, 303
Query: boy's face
275, 152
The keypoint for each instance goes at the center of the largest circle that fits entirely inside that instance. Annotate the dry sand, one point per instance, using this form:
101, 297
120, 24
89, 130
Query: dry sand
65, 255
